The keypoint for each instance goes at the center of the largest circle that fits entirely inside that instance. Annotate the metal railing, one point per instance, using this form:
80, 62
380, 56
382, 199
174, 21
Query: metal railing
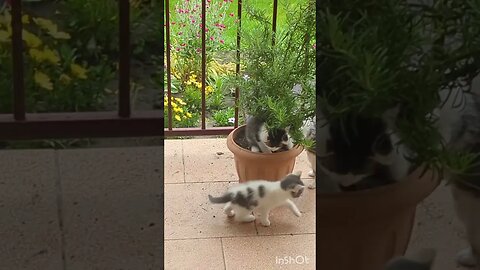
170, 131
122, 123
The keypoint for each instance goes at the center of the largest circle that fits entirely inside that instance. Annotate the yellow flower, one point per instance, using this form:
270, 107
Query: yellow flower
176, 109
65, 79
25, 19
189, 115
60, 35
43, 80
45, 55
4, 36
51, 56
51, 28
6, 18
78, 71
178, 117
198, 84
32, 40
208, 89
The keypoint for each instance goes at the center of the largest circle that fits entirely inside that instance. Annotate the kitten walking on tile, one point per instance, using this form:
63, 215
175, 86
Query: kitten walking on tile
240, 200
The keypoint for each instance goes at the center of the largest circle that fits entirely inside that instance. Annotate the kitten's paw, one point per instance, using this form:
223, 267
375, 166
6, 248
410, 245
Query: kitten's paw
248, 218
466, 258
311, 173
230, 214
254, 149
265, 222
298, 214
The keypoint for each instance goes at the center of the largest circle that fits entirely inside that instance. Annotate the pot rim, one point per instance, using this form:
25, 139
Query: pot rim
380, 201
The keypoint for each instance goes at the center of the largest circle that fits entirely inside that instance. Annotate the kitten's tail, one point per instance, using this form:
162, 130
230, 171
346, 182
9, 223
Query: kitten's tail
224, 199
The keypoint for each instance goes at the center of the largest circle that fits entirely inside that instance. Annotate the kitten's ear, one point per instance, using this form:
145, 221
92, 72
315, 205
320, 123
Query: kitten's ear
298, 173
390, 116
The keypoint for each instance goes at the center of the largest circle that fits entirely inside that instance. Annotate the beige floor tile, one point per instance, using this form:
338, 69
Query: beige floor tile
303, 165
174, 168
30, 235
270, 252
194, 254
189, 214
112, 210
437, 227
208, 160
283, 221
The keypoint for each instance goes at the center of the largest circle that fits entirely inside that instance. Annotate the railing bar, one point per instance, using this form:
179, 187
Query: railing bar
204, 60
169, 69
237, 65
274, 20
17, 57
124, 62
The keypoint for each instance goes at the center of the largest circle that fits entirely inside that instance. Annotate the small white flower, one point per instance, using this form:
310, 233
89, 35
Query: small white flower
246, 77
231, 120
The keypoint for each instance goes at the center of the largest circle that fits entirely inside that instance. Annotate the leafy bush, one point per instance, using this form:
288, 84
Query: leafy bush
375, 57
271, 71
95, 24
224, 118
54, 79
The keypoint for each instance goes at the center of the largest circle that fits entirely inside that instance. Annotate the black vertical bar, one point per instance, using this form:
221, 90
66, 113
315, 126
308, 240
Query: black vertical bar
274, 20
237, 65
169, 69
204, 60
124, 62
17, 57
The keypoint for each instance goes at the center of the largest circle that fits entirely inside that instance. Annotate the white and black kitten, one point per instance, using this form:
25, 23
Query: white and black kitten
364, 153
261, 139
261, 195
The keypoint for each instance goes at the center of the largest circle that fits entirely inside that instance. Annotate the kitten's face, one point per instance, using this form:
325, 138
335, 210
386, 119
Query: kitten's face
293, 184
277, 139
355, 151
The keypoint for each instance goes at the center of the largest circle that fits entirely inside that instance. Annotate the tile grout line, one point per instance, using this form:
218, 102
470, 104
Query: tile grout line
238, 236
60, 208
223, 253
183, 163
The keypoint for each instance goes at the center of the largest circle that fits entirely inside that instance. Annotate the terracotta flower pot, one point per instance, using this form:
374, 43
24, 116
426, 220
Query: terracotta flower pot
265, 166
363, 230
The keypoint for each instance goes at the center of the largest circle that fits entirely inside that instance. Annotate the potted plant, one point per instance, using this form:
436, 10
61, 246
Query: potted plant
276, 86
388, 64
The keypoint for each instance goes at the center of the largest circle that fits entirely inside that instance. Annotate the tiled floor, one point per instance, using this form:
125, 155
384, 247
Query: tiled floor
194, 226
81, 209
101, 209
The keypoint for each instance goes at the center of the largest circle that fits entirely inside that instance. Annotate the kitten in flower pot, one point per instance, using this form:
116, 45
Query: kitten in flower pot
261, 139
370, 155
263, 196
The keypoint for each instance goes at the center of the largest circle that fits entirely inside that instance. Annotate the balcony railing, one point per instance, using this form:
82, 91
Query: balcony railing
203, 130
